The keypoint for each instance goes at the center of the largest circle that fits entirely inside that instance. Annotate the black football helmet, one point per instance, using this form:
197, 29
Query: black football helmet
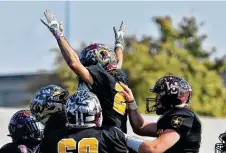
170, 92
23, 127
47, 101
221, 147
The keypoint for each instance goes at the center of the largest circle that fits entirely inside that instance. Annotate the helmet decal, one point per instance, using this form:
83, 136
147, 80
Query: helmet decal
48, 100
84, 110
171, 92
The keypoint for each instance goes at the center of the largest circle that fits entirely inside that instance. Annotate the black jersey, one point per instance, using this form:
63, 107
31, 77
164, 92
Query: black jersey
108, 90
95, 140
17, 148
187, 125
120, 75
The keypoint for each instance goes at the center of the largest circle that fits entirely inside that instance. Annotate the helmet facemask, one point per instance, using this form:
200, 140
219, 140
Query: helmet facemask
154, 99
161, 103
221, 147
24, 127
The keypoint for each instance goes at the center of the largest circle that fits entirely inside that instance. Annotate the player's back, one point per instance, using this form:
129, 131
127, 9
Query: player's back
56, 121
108, 91
92, 140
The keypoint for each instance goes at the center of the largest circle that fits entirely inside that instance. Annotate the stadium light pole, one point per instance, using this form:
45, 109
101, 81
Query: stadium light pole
67, 19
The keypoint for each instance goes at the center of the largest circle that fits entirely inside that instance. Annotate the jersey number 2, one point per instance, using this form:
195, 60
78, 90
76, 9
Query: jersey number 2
86, 145
119, 100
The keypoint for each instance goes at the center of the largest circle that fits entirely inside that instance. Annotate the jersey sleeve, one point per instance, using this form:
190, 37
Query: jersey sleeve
10, 147
116, 140
122, 76
13, 148
181, 123
99, 75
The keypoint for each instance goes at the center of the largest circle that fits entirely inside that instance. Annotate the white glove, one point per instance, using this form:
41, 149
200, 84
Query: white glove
52, 24
119, 36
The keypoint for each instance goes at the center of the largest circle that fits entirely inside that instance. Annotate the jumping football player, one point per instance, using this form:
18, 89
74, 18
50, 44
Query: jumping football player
96, 66
178, 130
26, 133
83, 132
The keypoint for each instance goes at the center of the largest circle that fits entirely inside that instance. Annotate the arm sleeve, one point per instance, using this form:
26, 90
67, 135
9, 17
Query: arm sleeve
122, 76
10, 147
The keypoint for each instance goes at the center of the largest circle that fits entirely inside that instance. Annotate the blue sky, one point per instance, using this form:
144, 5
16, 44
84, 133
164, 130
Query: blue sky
25, 42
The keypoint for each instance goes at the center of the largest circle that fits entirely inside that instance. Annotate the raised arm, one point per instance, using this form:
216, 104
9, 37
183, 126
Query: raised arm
119, 43
139, 125
119, 54
69, 55
165, 141
72, 59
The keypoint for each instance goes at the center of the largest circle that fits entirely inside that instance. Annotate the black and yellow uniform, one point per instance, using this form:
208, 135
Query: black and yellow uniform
108, 90
187, 125
56, 121
93, 140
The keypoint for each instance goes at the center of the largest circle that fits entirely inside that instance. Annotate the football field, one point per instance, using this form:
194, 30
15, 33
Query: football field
212, 127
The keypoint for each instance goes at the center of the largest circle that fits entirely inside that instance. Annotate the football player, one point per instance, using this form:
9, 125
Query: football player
178, 130
221, 147
83, 132
97, 68
26, 133
47, 105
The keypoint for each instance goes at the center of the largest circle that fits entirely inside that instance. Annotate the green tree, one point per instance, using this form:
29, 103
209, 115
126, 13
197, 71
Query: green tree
172, 53
193, 42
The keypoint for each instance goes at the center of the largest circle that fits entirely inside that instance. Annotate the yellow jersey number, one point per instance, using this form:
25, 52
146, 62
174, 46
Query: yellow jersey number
119, 100
86, 145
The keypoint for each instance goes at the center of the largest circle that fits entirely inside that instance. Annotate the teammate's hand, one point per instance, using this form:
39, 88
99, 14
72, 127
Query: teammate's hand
119, 36
52, 24
128, 94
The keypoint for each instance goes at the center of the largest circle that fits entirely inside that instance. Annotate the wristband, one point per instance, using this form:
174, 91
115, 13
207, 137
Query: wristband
58, 35
132, 105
